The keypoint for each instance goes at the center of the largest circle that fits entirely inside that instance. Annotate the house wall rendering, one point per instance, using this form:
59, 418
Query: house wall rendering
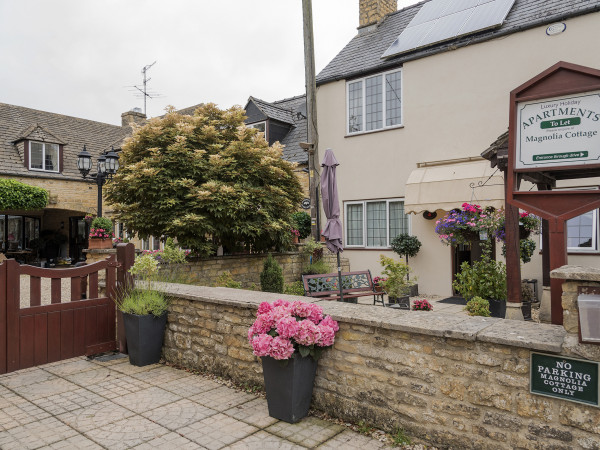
454, 105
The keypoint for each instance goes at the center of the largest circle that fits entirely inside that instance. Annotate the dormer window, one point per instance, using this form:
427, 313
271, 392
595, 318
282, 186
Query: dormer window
260, 126
44, 156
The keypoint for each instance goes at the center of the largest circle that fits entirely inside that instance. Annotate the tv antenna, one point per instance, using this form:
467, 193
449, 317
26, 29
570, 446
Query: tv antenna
143, 91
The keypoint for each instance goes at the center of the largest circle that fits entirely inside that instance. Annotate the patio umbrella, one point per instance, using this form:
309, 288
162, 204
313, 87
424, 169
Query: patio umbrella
331, 206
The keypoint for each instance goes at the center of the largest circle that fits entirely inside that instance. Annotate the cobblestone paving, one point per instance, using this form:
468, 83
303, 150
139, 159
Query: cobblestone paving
92, 404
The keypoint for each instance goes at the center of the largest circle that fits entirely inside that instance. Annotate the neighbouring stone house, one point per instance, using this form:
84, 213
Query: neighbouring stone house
411, 102
40, 148
283, 121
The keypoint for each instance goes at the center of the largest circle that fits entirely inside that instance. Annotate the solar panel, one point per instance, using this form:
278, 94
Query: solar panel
488, 15
442, 20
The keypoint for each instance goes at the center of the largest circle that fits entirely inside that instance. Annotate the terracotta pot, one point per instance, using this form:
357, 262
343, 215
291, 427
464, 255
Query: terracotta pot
96, 243
378, 288
296, 240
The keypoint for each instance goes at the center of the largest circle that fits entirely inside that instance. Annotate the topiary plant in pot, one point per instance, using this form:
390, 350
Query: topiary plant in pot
144, 313
408, 246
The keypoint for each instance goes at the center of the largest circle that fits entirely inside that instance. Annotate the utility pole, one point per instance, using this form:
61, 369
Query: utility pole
311, 110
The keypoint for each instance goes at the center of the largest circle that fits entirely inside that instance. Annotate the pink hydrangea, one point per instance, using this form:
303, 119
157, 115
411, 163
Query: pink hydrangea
327, 335
262, 345
287, 327
308, 333
281, 302
264, 307
281, 327
281, 348
328, 321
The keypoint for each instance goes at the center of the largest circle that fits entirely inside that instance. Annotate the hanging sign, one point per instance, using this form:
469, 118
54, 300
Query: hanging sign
566, 378
306, 203
558, 132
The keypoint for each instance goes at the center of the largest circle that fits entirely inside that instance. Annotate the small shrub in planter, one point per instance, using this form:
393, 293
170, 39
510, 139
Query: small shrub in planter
271, 278
144, 313
316, 268
478, 306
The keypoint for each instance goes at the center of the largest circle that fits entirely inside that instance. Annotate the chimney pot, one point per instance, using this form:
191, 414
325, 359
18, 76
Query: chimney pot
372, 11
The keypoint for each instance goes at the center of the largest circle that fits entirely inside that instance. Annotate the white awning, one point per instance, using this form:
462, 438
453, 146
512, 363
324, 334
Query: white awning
448, 186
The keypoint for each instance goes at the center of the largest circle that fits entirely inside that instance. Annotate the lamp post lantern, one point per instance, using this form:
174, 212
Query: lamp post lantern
107, 166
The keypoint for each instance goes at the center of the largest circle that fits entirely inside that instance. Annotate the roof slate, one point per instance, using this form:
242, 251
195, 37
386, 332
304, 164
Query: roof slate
362, 54
291, 111
17, 123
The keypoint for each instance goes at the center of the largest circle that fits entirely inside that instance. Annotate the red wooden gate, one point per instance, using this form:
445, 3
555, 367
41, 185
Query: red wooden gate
38, 334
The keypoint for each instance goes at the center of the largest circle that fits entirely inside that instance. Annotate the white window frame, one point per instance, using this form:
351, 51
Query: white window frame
387, 218
43, 169
364, 104
594, 249
253, 125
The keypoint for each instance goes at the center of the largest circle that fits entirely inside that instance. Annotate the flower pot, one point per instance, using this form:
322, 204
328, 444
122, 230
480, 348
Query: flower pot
296, 239
97, 243
289, 386
413, 290
144, 338
378, 288
497, 308
402, 302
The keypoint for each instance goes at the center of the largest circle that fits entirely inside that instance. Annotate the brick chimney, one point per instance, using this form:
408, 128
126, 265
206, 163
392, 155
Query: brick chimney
372, 11
134, 116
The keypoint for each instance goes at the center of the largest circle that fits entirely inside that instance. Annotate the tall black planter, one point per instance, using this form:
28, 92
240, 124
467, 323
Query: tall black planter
497, 308
289, 386
144, 338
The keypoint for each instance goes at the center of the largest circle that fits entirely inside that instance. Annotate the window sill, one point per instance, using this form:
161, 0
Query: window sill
372, 249
576, 253
362, 133
44, 171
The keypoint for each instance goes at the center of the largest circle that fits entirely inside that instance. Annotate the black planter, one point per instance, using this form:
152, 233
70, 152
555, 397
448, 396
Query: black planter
523, 233
400, 302
497, 308
144, 338
289, 386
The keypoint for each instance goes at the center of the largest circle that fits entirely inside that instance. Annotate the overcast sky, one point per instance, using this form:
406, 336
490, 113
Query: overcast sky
81, 57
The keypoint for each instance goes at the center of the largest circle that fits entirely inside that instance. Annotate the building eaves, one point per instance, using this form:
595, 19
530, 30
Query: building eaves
362, 55
272, 111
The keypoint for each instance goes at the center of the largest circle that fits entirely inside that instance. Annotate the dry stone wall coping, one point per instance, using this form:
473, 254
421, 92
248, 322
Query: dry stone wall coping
583, 273
529, 335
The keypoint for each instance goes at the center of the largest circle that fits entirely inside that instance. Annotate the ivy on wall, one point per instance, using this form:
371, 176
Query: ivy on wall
17, 195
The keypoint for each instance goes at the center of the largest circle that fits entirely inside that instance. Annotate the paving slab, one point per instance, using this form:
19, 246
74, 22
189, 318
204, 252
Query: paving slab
109, 404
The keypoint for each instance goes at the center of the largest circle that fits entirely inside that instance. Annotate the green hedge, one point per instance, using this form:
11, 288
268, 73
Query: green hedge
17, 195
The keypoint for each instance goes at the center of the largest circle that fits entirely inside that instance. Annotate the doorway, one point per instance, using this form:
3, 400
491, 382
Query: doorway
78, 238
467, 253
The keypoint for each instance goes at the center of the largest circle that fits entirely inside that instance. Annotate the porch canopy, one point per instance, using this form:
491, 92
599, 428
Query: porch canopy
447, 185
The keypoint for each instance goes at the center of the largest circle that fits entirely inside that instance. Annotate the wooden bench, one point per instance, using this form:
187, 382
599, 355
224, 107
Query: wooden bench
354, 285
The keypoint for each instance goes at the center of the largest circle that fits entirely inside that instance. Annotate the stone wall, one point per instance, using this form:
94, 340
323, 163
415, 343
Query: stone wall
247, 268
71, 195
452, 380
576, 278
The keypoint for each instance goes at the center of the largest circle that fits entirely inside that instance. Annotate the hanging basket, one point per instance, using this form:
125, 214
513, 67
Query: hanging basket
523, 232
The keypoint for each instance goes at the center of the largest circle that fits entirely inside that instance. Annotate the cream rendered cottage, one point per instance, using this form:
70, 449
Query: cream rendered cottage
408, 128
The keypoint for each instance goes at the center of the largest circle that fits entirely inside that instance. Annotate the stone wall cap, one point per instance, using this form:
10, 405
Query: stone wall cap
530, 335
516, 333
583, 273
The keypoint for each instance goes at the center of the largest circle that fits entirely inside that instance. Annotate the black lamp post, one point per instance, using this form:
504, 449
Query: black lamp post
108, 164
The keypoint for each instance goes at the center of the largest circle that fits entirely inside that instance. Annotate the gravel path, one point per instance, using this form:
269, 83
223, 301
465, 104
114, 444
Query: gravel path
65, 290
